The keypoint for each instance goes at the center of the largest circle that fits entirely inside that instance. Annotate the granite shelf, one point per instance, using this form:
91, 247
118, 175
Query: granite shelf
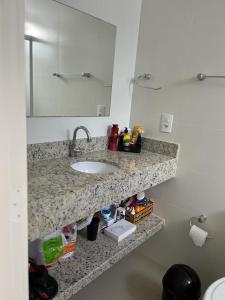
91, 259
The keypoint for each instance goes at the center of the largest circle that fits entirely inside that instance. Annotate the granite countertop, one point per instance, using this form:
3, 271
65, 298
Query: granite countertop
91, 259
58, 195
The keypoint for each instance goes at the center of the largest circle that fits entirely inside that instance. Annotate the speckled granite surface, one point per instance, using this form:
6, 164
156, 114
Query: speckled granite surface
161, 147
93, 258
58, 195
60, 149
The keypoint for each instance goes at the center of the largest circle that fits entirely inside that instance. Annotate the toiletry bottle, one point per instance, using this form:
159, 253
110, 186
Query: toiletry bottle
137, 145
113, 139
140, 196
137, 129
136, 139
120, 141
126, 140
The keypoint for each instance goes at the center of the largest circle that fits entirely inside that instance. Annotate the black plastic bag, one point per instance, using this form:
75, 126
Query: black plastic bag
42, 286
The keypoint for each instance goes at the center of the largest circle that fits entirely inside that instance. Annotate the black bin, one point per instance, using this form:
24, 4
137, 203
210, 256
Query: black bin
181, 283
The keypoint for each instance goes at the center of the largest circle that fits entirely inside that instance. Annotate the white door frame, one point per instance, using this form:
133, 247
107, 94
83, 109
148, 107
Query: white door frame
13, 177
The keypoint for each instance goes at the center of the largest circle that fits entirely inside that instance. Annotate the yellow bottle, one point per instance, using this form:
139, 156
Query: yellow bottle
136, 131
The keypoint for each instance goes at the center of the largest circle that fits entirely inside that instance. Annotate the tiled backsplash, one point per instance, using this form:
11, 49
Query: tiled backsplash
60, 149
161, 147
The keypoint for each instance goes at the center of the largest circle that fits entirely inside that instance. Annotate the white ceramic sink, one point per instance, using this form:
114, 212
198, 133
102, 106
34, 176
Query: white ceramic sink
94, 167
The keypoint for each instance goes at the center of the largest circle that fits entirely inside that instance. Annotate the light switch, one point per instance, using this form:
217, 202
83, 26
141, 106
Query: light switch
166, 124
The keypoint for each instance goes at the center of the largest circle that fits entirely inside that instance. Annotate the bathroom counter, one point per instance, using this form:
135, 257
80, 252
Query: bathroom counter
58, 195
91, 259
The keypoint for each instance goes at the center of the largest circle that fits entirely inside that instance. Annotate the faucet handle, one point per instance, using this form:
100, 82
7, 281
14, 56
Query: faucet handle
72, 151
77, 151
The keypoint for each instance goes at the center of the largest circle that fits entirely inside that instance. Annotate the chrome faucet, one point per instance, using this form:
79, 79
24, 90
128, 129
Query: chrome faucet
73, 150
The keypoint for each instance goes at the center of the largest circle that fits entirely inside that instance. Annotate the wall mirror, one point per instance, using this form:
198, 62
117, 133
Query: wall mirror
69, 61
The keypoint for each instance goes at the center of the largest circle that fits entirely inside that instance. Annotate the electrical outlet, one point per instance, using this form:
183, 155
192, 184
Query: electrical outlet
101, 110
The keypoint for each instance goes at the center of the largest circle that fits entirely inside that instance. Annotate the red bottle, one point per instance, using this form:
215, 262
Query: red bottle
113, 139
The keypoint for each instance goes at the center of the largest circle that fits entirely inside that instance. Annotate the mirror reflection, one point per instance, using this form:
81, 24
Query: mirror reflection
69, 61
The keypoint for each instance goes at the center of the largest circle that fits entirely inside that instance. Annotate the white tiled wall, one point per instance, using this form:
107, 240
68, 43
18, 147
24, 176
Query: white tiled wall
179, 39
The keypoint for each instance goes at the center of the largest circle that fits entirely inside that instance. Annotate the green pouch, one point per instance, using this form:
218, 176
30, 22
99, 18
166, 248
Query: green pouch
52, 249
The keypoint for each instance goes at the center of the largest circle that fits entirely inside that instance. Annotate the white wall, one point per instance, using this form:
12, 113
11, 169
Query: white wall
126, 16
13, 185
178, 39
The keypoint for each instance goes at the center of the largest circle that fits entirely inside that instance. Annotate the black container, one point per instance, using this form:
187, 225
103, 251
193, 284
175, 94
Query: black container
181, 283
92, 229
135, 148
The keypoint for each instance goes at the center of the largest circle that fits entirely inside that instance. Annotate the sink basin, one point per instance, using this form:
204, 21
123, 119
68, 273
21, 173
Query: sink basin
94, 167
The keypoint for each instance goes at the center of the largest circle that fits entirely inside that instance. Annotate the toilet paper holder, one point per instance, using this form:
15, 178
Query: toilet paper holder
200, 219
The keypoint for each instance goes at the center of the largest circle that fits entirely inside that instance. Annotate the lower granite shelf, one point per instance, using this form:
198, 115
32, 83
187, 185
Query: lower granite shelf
91, 259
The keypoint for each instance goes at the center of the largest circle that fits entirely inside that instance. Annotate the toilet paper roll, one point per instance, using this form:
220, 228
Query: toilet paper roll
198, 235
